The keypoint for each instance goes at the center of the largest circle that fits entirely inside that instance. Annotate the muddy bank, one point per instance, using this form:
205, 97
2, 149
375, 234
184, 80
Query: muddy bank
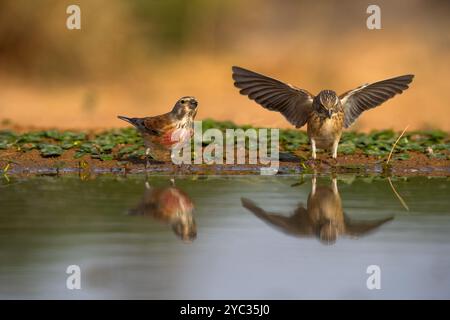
17, 162
34, 151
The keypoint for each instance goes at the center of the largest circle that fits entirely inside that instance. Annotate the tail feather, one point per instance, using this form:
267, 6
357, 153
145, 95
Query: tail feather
134, 121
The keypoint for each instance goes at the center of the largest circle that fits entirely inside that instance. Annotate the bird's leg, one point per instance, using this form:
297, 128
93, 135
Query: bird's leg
334, 186
313, 185
334, 149
312, 162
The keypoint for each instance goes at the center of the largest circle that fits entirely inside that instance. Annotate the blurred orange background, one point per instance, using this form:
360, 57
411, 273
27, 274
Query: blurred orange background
137, 58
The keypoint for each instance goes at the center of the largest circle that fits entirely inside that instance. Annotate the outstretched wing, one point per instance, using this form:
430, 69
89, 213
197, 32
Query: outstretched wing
293, 103
359, 228
293, 225
271, 218
369, 96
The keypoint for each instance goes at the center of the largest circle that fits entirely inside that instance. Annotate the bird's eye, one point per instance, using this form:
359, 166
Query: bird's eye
182, 101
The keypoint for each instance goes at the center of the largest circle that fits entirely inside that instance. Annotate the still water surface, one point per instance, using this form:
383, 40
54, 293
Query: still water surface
224, 237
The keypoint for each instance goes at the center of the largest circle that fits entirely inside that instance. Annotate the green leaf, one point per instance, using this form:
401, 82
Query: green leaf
50, 150
374, 151
441, 146
129, 149
73, 136
107, 147
28, 146
402, 156
439, 156
383, 135
8, 136
67, 145
347, 148
53, 134
79, 154
138, 153
412, 146
88, 147
31, 137
106, 157
436, 135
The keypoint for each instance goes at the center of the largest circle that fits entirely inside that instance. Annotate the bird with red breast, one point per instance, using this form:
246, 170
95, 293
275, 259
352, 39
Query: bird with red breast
163, 132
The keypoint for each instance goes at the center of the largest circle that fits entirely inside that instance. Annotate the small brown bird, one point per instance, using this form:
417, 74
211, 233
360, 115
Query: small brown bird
161, 133
325, 114
169, 205
323, 217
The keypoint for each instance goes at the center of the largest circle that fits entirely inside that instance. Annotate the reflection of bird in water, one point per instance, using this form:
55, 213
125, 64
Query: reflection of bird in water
323, 217
170, 205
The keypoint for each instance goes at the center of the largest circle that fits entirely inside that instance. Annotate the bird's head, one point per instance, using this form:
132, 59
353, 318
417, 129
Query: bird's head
327, 103
328, 233
185, 229
179, 209
186, 106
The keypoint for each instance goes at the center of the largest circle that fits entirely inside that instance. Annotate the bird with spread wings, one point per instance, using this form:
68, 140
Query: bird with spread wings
325, 114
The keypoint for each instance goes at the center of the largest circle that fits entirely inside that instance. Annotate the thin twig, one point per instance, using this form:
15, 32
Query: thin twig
395, 144
6, 168
398, 195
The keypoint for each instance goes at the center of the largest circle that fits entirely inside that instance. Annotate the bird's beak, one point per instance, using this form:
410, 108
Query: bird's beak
193, 104
330, 113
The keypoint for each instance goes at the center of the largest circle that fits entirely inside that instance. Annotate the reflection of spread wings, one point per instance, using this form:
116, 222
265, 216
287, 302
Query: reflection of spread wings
147, 206
297, 224
362, 227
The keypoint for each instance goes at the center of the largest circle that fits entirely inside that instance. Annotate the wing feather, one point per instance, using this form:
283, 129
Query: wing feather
293, 103
369, 96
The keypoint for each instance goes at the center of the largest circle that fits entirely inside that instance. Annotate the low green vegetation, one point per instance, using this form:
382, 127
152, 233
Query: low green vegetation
433, 143
107, 145
121, 144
